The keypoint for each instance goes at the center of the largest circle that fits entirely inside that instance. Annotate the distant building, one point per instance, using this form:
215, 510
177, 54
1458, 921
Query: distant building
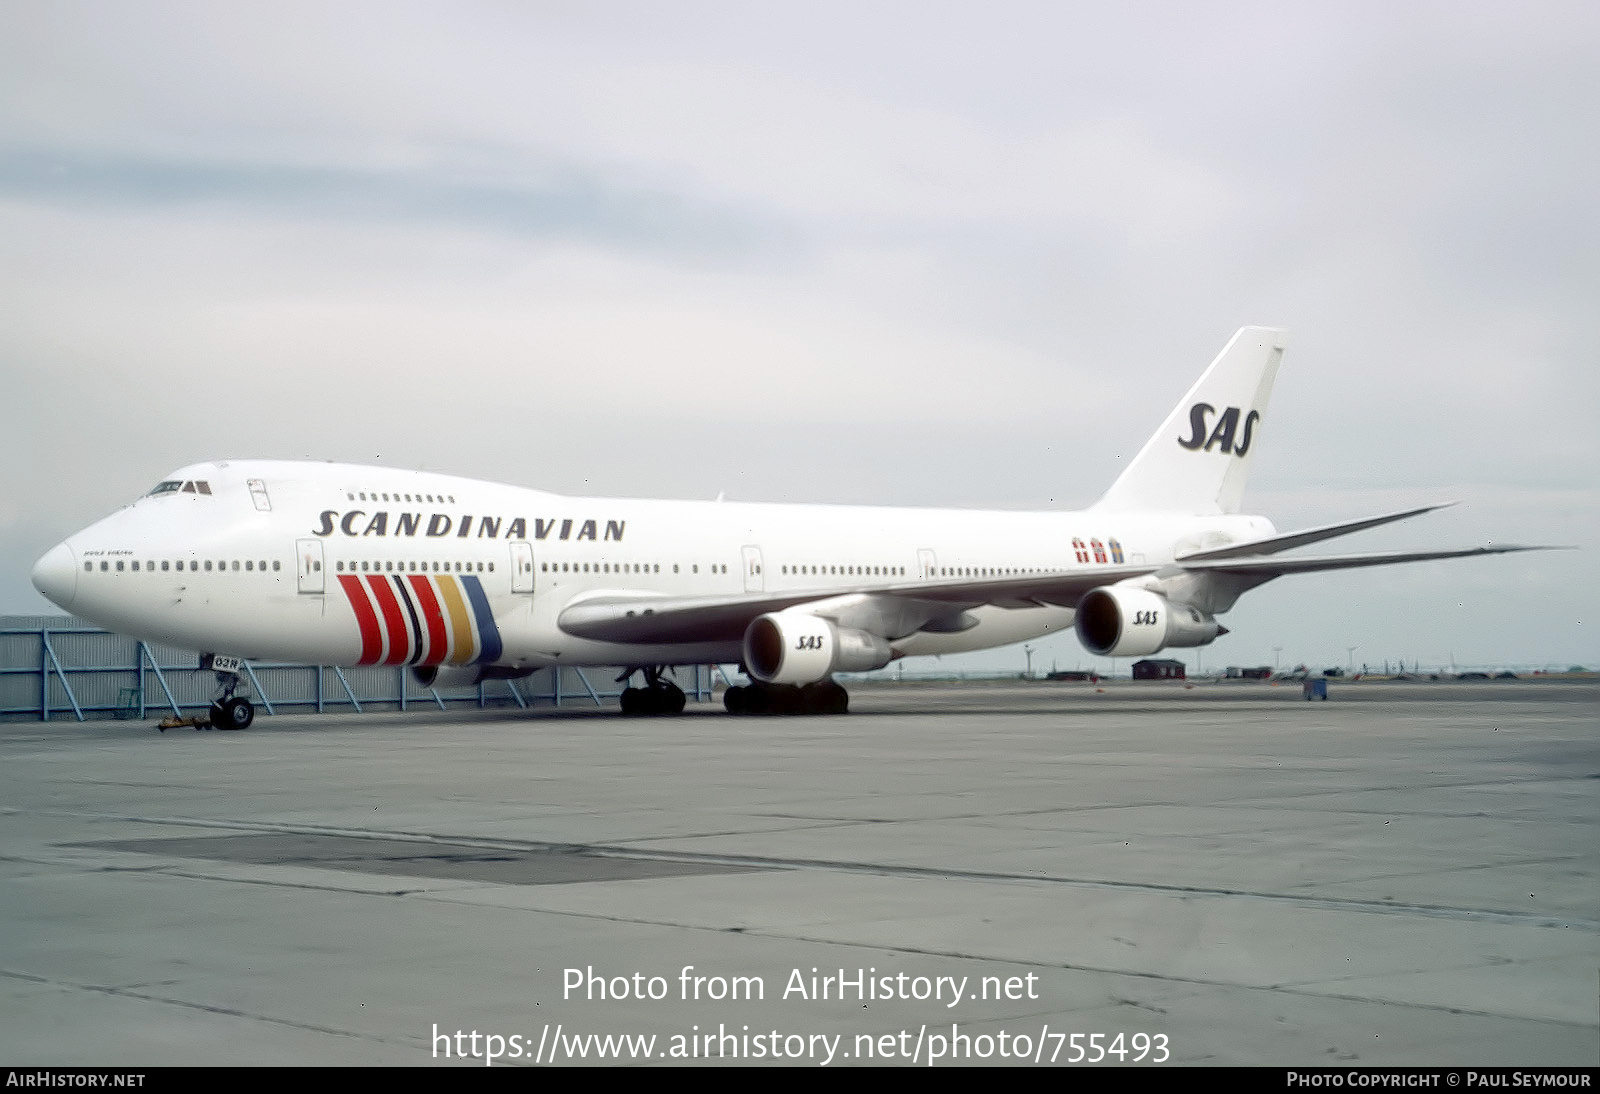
1080, 675
1158, 669
1236, 673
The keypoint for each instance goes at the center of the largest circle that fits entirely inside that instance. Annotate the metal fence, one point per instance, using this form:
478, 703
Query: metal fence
59, 666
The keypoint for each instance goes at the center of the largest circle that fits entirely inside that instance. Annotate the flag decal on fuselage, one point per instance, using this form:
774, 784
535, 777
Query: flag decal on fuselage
422, 619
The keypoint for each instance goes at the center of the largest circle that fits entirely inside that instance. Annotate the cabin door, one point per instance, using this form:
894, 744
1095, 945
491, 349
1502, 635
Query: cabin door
308, 552
754, 582
521, 566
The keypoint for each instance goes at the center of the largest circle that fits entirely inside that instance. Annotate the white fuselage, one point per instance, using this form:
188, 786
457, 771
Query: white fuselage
278, 559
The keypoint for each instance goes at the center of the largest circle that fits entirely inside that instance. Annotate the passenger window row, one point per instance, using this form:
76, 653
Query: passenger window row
847, 571
193, 565
622, 568
394, 495
413, 567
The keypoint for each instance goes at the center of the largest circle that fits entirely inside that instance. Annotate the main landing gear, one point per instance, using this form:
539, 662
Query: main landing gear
822, 697
658, 696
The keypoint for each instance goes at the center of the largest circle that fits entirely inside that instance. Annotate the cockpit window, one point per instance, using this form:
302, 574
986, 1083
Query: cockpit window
175, 486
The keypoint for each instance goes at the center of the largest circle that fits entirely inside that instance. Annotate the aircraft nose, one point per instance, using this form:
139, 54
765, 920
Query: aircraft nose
56, 576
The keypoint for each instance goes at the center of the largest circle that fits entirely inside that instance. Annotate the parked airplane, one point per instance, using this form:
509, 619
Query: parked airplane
465, 580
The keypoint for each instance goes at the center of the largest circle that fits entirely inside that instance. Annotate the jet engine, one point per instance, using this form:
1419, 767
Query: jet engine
1118, 621
462, 676
793, 647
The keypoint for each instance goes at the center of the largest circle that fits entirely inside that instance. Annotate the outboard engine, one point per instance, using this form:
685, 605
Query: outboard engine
1121, 621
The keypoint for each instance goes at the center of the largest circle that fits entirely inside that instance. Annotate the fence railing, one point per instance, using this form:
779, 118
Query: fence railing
80, 671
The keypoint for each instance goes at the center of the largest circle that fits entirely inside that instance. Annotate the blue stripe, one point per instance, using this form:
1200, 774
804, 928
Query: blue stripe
488, 633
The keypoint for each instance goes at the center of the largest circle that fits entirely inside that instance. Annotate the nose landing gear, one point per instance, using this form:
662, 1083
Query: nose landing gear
228, 711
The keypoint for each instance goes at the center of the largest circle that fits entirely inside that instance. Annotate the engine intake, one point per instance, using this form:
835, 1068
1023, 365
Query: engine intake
799, 648
1114, 621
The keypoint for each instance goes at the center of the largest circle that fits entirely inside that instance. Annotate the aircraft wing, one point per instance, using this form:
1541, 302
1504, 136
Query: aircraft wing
1264, 568
938, 606
932, 605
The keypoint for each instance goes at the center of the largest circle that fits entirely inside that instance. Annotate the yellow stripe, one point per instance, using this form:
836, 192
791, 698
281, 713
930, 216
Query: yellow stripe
460, 620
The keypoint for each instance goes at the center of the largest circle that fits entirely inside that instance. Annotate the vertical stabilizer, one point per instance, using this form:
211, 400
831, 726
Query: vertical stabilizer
1199, 459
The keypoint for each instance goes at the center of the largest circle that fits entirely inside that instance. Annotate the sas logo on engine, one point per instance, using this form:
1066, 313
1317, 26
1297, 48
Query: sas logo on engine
1204, 437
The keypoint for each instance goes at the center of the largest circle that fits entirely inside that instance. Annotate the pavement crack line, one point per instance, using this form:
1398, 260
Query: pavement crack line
188, 1004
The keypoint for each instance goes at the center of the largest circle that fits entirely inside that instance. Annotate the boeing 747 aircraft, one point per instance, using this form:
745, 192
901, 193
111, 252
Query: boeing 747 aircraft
465, 580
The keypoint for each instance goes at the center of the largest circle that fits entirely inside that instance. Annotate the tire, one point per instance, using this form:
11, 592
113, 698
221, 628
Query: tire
784, 699
234, 714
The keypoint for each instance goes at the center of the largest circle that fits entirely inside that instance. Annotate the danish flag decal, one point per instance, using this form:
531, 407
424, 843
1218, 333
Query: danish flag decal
422, 619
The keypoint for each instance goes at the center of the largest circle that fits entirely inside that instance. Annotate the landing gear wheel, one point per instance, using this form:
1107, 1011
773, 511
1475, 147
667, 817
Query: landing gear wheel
784, 699
661, 697
235, 713
824, 697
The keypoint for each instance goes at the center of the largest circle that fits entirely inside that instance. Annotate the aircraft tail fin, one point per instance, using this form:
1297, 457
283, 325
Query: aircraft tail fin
1198, 461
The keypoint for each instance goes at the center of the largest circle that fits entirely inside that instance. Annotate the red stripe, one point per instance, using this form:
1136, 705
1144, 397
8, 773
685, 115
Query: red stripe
393, 620
371, 638
433, 618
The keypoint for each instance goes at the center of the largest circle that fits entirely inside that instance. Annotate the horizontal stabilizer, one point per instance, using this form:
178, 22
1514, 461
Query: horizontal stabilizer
1270, 567
1274, 544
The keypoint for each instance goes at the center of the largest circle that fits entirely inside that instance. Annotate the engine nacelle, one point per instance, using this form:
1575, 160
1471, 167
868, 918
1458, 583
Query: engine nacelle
799, 648
1119, 621
462, 676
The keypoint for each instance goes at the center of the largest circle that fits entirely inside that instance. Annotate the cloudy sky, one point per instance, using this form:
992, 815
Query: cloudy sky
889, 253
